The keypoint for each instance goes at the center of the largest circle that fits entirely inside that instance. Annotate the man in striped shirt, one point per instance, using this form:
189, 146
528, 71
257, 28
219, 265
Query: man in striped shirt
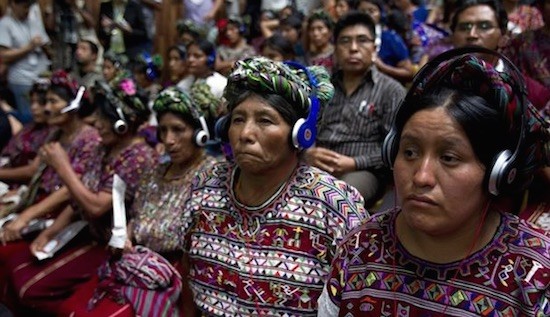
352, 128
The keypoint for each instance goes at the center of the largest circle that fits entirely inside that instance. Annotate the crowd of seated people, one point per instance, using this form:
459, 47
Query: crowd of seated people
288, 158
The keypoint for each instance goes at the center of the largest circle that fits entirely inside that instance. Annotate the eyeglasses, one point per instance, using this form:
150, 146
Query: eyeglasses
361, 40
481, 27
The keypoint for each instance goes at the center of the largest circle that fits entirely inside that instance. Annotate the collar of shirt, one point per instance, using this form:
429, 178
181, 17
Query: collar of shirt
372, 76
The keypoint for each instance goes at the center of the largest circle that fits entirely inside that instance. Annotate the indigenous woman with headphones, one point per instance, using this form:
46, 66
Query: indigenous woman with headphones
44, 285
273, 220
155, 215
201, 62
464, 137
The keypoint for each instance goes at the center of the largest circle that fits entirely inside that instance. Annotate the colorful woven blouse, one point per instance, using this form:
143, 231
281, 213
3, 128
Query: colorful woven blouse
23, 146
155, 212
270, 260
373, 275
129, 165
82, 152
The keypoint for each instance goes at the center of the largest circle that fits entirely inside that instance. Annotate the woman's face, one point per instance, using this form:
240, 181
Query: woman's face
341, 8
370, 9
54, 105
319, 33
197, 61
176, 65
290, 33
177, 137
438, 178
37, 109
104, 127
109, 70
259, 137
232, 33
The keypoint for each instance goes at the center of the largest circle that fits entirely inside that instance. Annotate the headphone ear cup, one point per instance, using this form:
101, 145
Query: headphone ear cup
201, 138
503, 173
221, 128
389, 148
303, 134
211, 59
120, 126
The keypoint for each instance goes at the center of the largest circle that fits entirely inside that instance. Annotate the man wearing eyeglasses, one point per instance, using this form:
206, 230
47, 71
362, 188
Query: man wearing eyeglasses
484, 23
352, 128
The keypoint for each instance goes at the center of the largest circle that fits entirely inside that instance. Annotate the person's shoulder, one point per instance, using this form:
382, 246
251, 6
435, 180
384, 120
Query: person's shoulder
312, 181
214, 173
527, 240
388, 83
377, 225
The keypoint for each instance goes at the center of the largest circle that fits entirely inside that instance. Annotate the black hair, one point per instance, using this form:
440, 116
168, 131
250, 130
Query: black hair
85, 109
481, 121
280, 44
108, 110
325, 18
351, 19
294, 21
496, 5
93, 47
181, 49
40, 90
206, 47
118, 60
23, 1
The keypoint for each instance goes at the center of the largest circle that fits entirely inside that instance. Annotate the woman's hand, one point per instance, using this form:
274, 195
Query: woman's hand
43, 238
54, 155
12, 230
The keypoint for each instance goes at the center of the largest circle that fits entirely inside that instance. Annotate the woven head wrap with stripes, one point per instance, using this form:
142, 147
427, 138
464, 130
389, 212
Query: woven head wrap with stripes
262, 75
174, 100
502, 89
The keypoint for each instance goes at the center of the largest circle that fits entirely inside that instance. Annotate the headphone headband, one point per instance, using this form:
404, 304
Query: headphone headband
458, 69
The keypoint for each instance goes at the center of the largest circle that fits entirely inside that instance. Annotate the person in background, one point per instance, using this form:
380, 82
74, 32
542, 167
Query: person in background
352, 128
483, 23
11, 124
122, 28
530, 49
178, 71
201, 61
275, 220
392, 53
24, 48
86, 56
464, 138
342, 7
291, 28
188, 32
68, 21
320, 49
522, 17
120, 113
278, 48
114, 66
23, 147
236, 49
155, 214
415, 11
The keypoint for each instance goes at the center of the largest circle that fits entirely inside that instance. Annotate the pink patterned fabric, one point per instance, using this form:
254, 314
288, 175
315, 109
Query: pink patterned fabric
82, 153
23, 146
143, 278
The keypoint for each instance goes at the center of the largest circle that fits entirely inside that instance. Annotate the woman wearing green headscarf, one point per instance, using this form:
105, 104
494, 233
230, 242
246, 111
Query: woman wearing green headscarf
155, 216
262, 229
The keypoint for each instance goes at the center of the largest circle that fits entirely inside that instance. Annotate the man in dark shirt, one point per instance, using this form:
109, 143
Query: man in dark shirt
352, 128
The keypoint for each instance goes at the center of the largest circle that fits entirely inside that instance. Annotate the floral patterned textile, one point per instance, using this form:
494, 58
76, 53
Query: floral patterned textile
524, 18
374, 275
23, 146
155, 219
269, 260
82, 153
129, 165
